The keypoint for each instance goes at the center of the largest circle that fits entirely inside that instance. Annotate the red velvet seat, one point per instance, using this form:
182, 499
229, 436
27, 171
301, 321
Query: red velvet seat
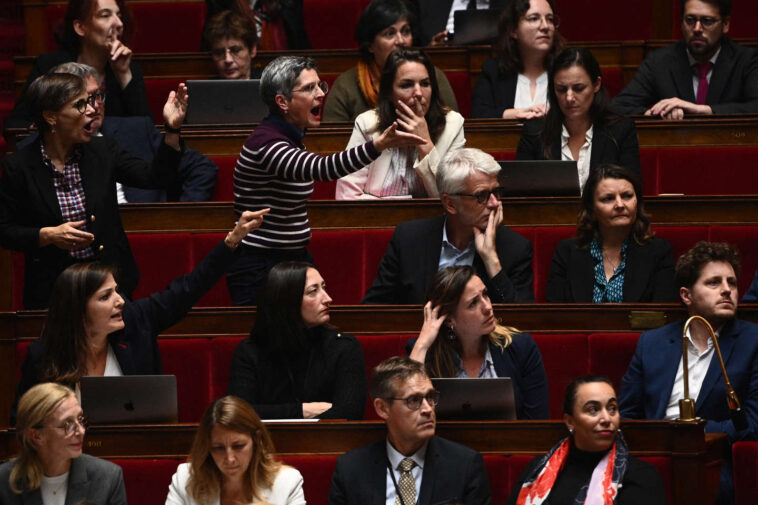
147, 480
338, 255
565, 358
330, 23
461, 84
708, 170
666, 471
375, 246
21, 349
157, 90
202, 244
544, 243
224, 191
746, 240
613, 77
189, 360
681, 238
161, 257
610, 355
745, 459
576, 15
317, 475
377, 348
222, 350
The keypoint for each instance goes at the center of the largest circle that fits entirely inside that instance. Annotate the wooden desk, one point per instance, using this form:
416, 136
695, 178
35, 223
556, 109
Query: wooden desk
696, 457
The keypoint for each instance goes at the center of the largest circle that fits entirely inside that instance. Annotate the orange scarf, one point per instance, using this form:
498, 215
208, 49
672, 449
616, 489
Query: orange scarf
368, 82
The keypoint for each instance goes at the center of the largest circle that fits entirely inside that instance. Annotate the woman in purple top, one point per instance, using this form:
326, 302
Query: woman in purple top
275, 171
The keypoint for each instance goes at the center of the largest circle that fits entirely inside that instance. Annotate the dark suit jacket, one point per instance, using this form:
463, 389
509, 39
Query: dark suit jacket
666, 73
616, 143
752, 292
494, 91
28, 203
452, 473
130, 101
649, 275
413, 255
90, 479
136, 346
196, 174
432, 15
646, 386
522, 362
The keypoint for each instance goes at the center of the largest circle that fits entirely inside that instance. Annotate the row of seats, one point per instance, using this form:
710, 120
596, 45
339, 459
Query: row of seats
147, 480
350, 273
202, 363
688, 171
577, 16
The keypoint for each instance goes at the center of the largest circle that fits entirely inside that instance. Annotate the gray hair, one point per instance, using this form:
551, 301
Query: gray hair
77, 69
50, 92
456, 166
280, 76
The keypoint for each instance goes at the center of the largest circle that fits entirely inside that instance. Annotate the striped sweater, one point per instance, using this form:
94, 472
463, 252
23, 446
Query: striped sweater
274, 170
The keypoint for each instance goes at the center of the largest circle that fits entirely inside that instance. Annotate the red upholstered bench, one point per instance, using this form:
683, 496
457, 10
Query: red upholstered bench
746, 240
222, 350
610, 355
147, 480
188, 359
342, 16
202, 244
708, 170
461, 84
613, 77
576, 15
157, 90
544, 243
565, 358
377, 348
745, 460
161, 258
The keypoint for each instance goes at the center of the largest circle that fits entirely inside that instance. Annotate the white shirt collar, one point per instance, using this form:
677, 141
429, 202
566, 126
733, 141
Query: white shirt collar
395, 457
712, 60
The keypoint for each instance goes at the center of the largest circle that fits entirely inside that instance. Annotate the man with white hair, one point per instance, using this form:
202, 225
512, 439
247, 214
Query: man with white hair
469, 233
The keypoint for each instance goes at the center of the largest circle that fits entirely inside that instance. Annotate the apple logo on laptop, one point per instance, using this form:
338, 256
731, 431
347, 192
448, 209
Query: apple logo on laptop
129, 406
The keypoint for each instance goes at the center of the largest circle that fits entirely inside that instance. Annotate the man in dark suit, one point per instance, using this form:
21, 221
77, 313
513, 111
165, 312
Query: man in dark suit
469, 233
704, 73
435, 17
654, 384
412, 465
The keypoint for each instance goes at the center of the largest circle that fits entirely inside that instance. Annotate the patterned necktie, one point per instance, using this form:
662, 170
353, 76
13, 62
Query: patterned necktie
406, 485
702, 83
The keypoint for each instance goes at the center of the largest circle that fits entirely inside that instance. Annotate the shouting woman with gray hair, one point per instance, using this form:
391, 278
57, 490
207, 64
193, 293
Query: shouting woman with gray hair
275, 171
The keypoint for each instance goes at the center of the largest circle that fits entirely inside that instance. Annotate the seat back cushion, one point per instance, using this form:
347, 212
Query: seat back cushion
746, 240
189, 360
317, 475
565, 358
147, 480
610, 355
222, 350
157, 268
377, 348
218, 295
545, 242
745, 464
338, 255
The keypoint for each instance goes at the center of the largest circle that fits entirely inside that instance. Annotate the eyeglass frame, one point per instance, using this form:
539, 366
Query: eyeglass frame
707, 22
233, 52
553, 21
322, 85
69, 425
483, 196
432, 398
96, 98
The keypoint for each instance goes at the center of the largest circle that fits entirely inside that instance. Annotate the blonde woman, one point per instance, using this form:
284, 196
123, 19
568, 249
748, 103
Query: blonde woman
232, 462
51, 469
462, 338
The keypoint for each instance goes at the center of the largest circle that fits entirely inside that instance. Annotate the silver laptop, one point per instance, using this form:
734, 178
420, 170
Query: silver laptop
475, 398
539, 178
130, 399
475, 26
225, 101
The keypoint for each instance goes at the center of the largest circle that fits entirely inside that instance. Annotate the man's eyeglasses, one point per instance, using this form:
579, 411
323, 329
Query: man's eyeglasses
96, 98
414, 402
536, 19
705, 21
69, 425
483, 196
220, 53
311, 88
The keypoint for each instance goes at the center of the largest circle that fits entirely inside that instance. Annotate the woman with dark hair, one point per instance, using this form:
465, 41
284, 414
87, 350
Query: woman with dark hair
461, 337
233, 43
50, 468
94, 32
578, 125
91, 330
513, 85
384, 26
408, 94
232, 461
295, 364
592, 464
614, 257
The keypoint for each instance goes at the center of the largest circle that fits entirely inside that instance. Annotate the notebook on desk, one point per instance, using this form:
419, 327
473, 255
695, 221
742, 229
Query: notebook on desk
490, 398
539, 178
475, 26
225, 101
130, 399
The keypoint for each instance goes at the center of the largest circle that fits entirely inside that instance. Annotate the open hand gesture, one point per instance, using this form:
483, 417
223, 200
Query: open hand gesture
392, 137
176, 107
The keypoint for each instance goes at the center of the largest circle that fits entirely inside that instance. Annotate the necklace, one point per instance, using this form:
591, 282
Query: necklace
614, 265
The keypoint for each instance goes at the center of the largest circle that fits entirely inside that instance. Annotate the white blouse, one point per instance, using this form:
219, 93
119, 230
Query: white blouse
585, 154
523, 98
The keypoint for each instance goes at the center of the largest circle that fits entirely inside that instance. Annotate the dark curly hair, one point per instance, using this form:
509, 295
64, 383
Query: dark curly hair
377, 16
690, 265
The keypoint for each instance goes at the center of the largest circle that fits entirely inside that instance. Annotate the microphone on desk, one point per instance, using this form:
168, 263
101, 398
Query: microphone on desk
687, 404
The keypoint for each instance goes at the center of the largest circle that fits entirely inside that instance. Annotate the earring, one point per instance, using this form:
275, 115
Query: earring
52, 129
451, 333
571, 431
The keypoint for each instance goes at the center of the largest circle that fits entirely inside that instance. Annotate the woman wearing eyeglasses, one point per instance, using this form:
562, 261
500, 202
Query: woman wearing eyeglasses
50, 468
408, 94
461, 337
513, 85
95, 33
233, 41
384, 26
58, 199
274, 170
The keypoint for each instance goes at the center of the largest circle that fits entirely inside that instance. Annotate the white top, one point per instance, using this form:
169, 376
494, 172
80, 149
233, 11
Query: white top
462, 5
697, 365
524, 98
585, 154
112, 368
287, 488
417, 471
53, 489
695, 76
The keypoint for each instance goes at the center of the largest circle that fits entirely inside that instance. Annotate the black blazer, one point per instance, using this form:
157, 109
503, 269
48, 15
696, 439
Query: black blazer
129, 101
649, 275
432, 15
136, 346
615, 143
452, 473
28, 203
666, 73
494, 91
413, 255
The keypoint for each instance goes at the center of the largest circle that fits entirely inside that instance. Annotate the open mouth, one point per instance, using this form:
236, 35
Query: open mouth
88, 127
316, 111
117, 317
